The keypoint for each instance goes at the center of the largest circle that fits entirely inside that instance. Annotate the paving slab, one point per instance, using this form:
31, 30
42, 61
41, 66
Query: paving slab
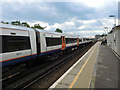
107, 69
67, 78
99, 66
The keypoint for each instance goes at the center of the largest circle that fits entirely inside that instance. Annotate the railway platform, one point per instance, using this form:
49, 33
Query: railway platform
97, 68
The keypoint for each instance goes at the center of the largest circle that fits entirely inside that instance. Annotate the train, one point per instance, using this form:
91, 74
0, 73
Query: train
21, 44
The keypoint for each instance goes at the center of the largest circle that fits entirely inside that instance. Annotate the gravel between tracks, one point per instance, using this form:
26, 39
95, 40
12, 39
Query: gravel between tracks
49, 79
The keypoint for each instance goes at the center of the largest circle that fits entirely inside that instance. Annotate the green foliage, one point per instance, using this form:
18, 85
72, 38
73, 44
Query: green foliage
24, 24
17, 23
7, 22
32, 27
38, 26
58, 30
4, 22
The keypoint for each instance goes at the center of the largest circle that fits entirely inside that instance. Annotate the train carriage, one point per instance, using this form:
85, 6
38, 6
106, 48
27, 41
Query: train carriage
21, 44
17, 44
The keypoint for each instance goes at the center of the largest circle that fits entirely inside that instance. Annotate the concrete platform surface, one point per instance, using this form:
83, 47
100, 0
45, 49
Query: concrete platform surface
98, 68
107, 69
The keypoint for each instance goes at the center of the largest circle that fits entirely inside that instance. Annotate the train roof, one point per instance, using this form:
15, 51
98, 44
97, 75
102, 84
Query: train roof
30, 29
23, 28
61, 34
44, 31
14, 27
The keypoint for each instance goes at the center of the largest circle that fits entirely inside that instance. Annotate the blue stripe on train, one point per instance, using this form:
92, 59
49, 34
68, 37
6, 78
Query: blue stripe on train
6, 63
56, 50
50, 52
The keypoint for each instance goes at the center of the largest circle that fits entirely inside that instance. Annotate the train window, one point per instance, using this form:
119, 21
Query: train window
52, 41
71, 40
74, 40
84, 39
15, 43
80, 40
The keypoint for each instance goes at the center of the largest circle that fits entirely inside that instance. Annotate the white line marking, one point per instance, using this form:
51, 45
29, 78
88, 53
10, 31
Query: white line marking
56, 83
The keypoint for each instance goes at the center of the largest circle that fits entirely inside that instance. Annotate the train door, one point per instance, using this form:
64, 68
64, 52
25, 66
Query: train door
63, 43
38, 43
77, 41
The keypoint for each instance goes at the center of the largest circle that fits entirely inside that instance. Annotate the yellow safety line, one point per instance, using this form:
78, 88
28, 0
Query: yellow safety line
80, 71
90, 81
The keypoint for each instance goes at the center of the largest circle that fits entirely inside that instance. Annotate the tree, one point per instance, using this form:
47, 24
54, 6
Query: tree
7, 23
38, 26
16, 23
58, 30
25, 24
4, 22
32, 27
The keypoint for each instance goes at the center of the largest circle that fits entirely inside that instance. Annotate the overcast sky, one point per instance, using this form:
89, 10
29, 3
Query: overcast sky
83, 17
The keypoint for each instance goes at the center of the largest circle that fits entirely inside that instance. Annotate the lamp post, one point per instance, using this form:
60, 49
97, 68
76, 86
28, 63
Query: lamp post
114, 19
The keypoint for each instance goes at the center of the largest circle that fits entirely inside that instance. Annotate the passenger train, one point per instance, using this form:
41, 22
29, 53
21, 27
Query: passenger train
20, 44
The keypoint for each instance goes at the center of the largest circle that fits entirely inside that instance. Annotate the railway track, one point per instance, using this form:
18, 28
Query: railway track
32, 76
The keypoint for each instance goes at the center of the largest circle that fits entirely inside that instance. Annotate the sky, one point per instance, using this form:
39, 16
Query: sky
84, 18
